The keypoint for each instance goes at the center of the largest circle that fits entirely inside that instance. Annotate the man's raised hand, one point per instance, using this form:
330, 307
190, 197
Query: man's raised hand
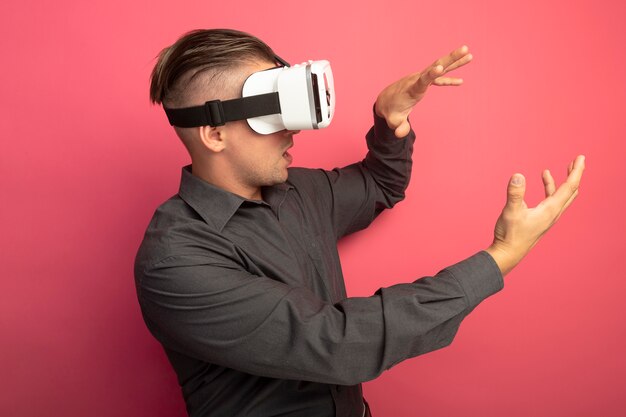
397, 100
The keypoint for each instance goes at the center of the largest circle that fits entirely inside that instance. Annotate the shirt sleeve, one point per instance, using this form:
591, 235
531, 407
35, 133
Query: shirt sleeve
211, 309
361, 191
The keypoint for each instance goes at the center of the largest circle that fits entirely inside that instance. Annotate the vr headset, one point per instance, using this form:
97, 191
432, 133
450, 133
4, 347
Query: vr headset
293, 98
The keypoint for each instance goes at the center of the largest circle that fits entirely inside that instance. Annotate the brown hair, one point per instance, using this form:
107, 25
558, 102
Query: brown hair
200, 51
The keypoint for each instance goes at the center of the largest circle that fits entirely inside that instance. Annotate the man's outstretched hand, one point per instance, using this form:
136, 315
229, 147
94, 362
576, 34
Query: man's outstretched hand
397, 100
519, 228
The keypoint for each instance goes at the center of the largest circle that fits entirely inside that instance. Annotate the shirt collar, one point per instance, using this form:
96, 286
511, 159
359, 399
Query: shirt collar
217, 206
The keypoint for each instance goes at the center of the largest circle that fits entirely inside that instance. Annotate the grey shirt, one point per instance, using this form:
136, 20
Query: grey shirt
248, 297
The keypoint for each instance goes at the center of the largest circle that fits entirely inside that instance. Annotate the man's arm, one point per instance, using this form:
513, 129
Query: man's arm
208, 307
359, 192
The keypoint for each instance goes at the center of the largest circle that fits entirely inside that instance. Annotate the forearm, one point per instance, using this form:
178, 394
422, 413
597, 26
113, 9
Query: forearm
389, 160
444, 301
358, 192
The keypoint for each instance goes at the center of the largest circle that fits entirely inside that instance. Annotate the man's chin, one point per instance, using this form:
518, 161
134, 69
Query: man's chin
283, 178
278, 179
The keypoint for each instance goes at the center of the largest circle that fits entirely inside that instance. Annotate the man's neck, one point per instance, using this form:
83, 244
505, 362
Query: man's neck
226, 183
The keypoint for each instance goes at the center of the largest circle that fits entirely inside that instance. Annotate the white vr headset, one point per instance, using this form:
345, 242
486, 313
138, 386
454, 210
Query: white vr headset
293, 98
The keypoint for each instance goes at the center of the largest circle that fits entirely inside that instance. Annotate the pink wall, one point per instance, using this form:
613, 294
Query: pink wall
86, 160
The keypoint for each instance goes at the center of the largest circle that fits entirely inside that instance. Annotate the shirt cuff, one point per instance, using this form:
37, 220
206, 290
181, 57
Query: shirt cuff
479, 276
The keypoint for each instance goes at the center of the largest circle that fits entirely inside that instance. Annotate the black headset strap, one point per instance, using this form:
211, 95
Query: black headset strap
217, 112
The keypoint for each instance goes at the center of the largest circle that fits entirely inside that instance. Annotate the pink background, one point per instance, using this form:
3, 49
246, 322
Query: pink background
86, 159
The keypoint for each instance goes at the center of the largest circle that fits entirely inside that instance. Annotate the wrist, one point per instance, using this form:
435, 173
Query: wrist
503, 258
377, 110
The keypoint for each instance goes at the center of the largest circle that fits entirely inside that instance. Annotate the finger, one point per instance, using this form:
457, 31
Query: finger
567, 204
575, 194
570, 186
426, 79
458, 63
548, 183
452, 57
570, 201
429, 76
515, 192
444, 81
570, 167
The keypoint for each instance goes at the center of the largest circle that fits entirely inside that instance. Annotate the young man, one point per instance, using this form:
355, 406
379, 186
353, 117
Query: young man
239, 277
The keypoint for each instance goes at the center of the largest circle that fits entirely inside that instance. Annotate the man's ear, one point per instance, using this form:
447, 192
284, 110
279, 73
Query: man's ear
212, 137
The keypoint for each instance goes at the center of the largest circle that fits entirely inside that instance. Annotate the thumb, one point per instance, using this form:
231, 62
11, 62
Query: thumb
402, 130
515, 191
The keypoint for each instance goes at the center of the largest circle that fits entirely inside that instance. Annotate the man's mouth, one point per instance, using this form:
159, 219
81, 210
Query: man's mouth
288, 156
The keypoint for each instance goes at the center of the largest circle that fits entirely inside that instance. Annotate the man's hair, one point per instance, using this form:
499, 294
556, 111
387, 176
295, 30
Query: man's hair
211, 51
